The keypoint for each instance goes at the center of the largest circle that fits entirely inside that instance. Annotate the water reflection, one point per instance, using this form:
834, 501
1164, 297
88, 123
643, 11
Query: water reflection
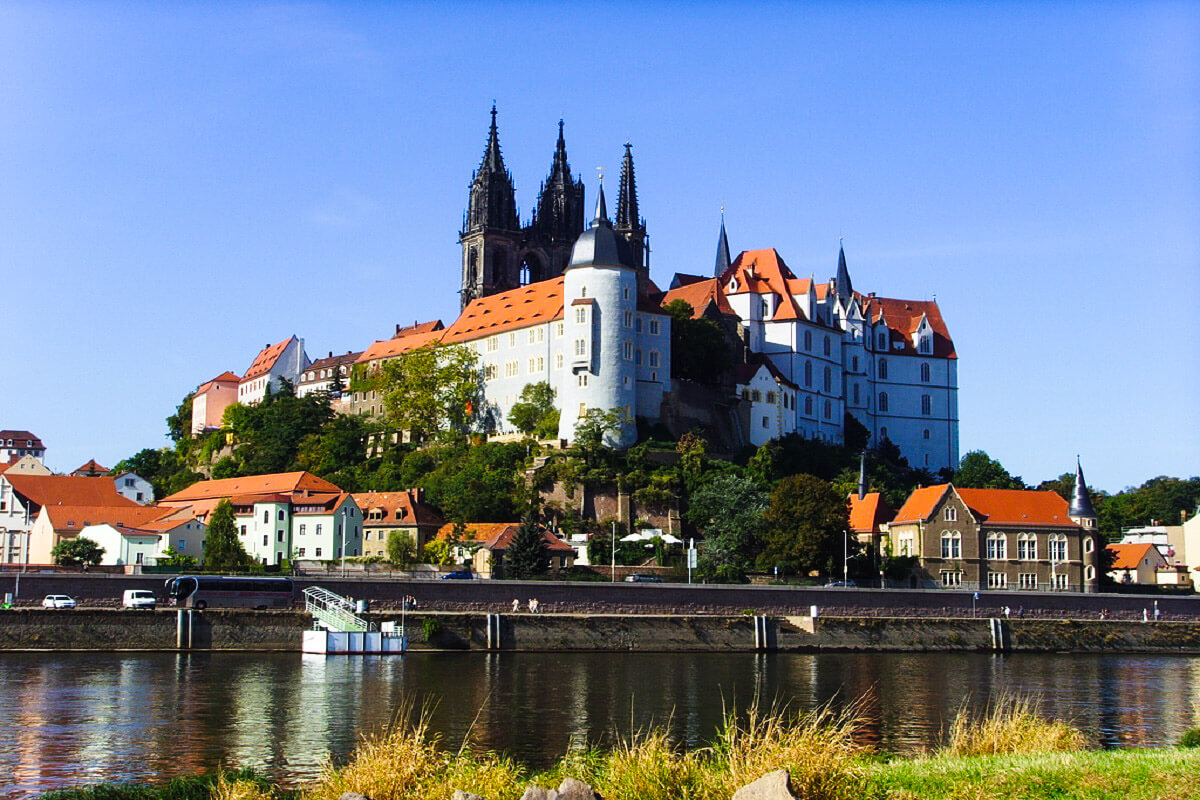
77, 718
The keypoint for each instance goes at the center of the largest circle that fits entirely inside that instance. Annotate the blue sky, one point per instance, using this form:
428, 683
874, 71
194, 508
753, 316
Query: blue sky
182, 183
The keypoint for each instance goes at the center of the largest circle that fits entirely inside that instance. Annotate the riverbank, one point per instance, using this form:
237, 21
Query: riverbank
238, 630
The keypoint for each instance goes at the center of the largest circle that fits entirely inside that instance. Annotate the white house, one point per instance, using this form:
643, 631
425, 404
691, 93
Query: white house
284, 360
770, 398
135, 488
14, 444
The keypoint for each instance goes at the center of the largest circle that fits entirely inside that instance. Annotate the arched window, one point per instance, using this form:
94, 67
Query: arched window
950, 514
808, 373
1089, 573
881, 369
883, 401
808, 340
997, 546
924, 373
523, 278
1089, 545
1027, 546
828, 409
827, 350
1058, 547
951, 544
828, 379
926, 404
925, 434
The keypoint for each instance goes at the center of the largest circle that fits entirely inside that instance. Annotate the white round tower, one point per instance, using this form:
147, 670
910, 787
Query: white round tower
599, 306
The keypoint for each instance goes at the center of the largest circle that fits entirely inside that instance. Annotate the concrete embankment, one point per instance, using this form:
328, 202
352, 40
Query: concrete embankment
230, 630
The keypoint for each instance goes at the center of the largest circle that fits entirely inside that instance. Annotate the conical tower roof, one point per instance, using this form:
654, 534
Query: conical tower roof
1081, 500
627, 202
845, 290
723, 260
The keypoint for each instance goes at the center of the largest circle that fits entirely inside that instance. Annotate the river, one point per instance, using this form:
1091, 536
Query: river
78, 718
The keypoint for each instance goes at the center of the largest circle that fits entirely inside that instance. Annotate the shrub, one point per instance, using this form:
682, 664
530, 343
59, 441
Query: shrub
1010, 724
1190, 738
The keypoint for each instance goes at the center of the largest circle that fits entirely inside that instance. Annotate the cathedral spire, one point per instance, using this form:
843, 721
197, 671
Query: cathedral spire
559, 211
492, 160
845, 290
723, 259
493, 200
629, 223
1081, 501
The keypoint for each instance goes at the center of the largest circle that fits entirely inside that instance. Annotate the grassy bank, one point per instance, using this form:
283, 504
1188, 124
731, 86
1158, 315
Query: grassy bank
1010, 751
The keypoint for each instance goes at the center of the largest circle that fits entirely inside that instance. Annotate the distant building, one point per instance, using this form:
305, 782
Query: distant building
319, 376
90, 469
490, 541
405, 511
1136, 563
211, 399
23, 497
275, 363
14, 444
135, 487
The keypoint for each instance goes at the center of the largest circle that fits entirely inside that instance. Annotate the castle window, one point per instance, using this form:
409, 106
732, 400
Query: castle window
881, 341
883, 432
654, 358
925, 433
756, 396
883, 403
881, 369
808, 406
654, 327
765, 422
523, 276
558, 360
808, 340
627, 349
828, 410
950, 514
532, 335
625, 293
583, 291
828, 379
924, 373
558, 329
926, 405
765, 309
628, 318
512, 340
1058, 547
771, 398
855, 390
1027, 546
582, 379
827, 346
489, 372
854, 364
582, 409
580, 347
1089, 573
925, 344
581, 314
808, 373
1089, 545
638, 324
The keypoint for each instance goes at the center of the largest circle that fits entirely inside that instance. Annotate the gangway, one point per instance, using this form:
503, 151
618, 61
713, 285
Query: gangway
338, 629
333, 612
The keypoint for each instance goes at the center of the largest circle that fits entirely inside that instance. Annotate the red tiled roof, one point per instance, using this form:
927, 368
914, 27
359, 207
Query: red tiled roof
332, 361
412, 511
1017, 507
920, 504
535, 304
21, 439
1130, 556
699, 294
419, 327
76, 517
91, 469
68, 490
266, 359
868, 514
498, 535
903, 317
390, 348
277, 483
763, 272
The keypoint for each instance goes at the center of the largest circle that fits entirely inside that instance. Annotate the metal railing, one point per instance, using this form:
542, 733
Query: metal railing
334, 612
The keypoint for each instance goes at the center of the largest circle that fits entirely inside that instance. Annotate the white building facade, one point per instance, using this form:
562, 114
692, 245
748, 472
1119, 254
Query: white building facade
275, 363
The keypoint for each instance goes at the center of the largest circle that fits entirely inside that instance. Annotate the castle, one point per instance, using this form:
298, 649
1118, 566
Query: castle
575, 306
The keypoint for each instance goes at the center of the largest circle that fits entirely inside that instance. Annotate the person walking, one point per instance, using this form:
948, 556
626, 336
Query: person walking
516, 605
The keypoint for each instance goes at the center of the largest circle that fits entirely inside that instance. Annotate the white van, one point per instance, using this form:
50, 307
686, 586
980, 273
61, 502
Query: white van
138, 598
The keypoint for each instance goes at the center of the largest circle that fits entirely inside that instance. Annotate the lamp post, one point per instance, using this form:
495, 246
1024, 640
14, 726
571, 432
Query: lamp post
345, 511
846, 557
24, 558
613, 569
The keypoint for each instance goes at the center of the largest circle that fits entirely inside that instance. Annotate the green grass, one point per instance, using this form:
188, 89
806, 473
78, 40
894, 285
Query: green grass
1168, 774
192, 787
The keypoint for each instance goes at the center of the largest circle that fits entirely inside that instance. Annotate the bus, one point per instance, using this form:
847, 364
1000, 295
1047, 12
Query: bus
223, 591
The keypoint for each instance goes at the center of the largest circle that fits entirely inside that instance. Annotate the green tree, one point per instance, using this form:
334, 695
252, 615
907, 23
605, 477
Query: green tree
699, 348
728, 508
535, 413
173, 558
78, 551
807, 523
401, 548
439, 552
179, 424
339, 443
593, 433
222, 550
977, 470
432, 389
165, 469
527, 555
479, 483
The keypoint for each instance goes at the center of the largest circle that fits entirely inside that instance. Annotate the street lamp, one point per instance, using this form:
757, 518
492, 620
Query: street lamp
345, 512
25, 556
613, 570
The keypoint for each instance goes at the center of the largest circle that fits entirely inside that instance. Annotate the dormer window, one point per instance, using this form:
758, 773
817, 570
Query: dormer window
925, 344
733, 287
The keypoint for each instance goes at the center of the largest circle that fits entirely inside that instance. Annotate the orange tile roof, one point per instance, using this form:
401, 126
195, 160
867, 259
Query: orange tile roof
534, 304
277, 483
419, 327
498, 535
76, 517
699, 294
868, 514
475, 531
763, 272
390, 348
412, 510
266, 359
920, 504
1130, 556
224, 377
903, 317
1017, 507
91, 468
68, 490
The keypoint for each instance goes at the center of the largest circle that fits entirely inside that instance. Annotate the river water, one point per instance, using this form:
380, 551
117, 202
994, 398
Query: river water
77, 718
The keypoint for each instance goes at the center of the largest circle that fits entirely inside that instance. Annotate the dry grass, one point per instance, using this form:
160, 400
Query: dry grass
1011, 724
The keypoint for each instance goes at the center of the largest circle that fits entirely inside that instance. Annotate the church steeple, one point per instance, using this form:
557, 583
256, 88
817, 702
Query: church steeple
629, 224
845, 290
723, 259
558, 216
493, 199
1081, 500
491, 230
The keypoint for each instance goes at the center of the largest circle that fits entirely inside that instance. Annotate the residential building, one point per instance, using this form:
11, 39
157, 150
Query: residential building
994, 539
59, 522
405, 511
14, 444
26, 465
140, 538
134, 487
1136, 563
22, 498
1191, 547
363, 400
319, 376
769, 400
210, 400
283, 361
281, 516
90, 469
488, 542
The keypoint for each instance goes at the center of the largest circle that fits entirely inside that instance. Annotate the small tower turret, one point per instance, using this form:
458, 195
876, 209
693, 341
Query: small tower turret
845, 290
723, 260
1081, 511
629, 224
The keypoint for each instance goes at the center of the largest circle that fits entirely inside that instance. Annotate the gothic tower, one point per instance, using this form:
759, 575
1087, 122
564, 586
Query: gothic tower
629, 224
491, 232
557, 220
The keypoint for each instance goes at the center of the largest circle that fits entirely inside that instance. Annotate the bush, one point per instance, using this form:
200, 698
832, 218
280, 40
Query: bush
1010, 724
1190, 738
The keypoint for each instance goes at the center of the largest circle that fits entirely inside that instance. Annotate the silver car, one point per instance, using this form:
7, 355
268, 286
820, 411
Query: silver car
58, 601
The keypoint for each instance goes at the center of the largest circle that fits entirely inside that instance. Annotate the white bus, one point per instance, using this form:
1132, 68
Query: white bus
223, 591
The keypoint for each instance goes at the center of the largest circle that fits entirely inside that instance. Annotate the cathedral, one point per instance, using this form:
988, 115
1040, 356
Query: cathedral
499, 253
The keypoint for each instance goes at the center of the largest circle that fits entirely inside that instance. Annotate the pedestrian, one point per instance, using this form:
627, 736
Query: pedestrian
1145, 615
1157, 615
1020, 612
1007, 611
516, 605
532, 605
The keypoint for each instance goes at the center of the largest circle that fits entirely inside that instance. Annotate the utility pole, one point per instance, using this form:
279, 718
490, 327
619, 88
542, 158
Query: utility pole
613, 570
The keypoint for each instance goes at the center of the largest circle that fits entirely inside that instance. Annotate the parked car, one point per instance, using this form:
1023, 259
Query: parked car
641, 577
460, 575
844, 584
58, 601
138, 598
